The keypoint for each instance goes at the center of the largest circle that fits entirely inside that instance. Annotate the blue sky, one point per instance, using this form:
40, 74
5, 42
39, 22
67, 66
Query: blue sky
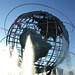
67, 7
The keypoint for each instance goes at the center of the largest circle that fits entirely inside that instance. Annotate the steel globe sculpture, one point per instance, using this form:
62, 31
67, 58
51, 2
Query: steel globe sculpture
48, 34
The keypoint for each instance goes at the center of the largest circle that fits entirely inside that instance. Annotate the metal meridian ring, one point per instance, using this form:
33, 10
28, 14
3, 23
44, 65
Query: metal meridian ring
39, 5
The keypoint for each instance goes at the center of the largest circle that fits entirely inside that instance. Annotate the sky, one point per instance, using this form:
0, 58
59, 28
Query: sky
67, 7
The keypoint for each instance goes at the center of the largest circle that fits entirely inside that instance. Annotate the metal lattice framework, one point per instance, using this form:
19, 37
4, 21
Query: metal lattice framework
50, 28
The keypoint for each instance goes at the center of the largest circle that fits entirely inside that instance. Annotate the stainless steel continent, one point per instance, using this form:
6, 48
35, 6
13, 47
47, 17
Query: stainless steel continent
40, 46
